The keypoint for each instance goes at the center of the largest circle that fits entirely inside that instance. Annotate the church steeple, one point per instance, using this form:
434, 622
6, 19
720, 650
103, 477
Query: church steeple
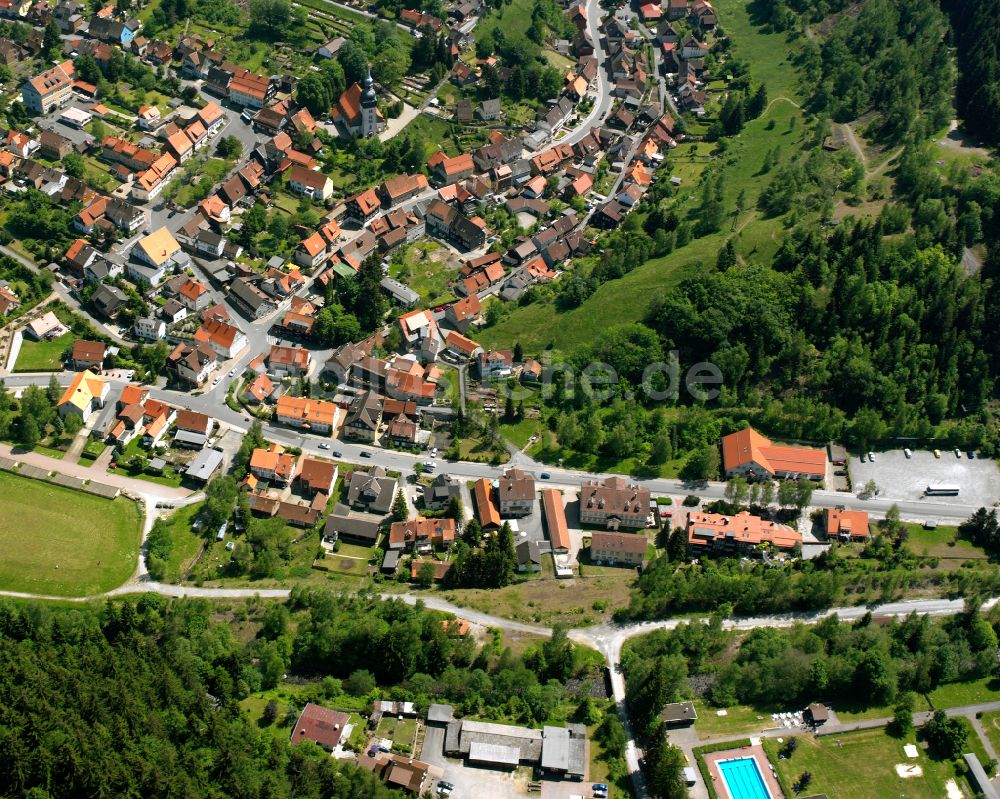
369, 107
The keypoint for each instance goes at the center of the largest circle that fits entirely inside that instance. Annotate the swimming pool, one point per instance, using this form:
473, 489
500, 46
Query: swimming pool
743, 779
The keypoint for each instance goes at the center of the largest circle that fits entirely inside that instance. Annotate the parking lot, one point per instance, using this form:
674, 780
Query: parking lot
899, 477
472, 782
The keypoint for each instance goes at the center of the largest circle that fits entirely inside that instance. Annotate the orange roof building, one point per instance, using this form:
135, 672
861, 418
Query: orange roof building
747, 453
741, 533
317, 415
847, 525
555, 519
421, 534
273, 463
486, 509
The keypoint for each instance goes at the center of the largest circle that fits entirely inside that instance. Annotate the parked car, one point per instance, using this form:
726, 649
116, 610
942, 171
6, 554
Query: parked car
338, 454
937, 453
666, 514
971, 454
324, 445
907, 453
958, 452
871, 457
365, 453
545, 476
232, 372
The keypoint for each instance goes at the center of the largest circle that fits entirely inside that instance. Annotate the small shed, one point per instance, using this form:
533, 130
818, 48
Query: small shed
817, 714
679, 714
440, 715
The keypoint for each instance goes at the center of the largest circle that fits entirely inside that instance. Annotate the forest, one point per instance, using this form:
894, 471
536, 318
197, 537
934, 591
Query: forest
854, 665
140, 697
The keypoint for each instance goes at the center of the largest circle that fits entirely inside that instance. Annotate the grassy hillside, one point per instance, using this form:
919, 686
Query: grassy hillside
540, 326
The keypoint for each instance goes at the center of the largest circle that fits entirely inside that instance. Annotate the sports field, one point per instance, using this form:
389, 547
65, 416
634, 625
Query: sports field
62, 542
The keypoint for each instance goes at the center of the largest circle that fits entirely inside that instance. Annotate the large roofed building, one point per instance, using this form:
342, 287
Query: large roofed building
739, 533
747, 453
558, 750
614, 503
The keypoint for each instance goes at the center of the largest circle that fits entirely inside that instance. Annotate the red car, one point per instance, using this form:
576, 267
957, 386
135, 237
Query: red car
666, 514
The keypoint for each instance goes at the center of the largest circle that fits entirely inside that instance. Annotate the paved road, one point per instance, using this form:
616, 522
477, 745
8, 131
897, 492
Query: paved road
212, 402
602, 103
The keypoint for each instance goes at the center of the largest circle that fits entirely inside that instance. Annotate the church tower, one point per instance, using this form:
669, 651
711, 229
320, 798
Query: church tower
369, 105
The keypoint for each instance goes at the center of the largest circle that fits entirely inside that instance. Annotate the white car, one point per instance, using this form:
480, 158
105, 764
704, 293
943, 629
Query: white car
324, 445
430, 466
434, 452
216, 381
232, 372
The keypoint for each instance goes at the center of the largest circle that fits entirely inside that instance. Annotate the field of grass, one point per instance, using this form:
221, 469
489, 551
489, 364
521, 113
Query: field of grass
835, 762
959, 694
63, 542
513, 19
422, 267
766, 53
550, 601
42, 356
185, 542
942, 543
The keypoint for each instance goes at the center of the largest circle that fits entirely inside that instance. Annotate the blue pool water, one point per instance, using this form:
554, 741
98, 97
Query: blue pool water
743, 779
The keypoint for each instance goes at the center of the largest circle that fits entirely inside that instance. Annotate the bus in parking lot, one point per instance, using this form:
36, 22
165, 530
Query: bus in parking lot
941, 491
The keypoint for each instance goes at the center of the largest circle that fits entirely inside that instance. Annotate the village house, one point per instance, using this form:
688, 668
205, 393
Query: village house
421, 534
310, 183
846, 525
273, 464
515, 493
226, 340
614, 503
85, 394
87, 355
322, 726
291, 361
618, 549
50, 89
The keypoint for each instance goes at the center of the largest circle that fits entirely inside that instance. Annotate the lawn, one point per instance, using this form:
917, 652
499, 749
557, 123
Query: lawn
42, 356
738, 720
513, 19
991, 726
428, 269
551, 601
959, 694
185, 542
63, 542
943, 543
401, 732
860, 765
